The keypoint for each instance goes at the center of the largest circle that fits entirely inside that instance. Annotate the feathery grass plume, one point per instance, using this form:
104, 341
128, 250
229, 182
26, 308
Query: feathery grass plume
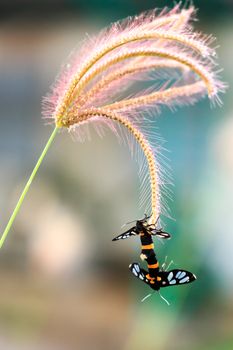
94, 87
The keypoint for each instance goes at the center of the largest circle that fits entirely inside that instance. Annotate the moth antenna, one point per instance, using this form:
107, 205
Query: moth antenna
164, 299
170, 263
127, 223
164, 267
146, 297
122, 226
164, 264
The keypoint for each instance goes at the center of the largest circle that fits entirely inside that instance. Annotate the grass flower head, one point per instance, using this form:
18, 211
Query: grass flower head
161, 48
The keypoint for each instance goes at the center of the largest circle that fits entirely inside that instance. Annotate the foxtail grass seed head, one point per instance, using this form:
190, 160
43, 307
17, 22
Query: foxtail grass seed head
160, 47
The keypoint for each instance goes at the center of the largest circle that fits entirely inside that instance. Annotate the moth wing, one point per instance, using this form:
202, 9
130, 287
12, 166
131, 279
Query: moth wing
161, 234
138, 272
176, 277
126, 234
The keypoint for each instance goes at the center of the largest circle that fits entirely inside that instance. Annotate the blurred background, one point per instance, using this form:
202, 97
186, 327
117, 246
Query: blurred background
63, 284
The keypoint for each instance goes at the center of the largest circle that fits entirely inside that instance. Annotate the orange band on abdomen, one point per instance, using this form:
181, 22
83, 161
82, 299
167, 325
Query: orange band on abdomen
148, 246
153, 266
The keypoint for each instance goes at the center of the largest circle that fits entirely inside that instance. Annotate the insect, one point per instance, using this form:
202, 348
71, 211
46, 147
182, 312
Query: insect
155, 277
162, 278
146, 231
142, 226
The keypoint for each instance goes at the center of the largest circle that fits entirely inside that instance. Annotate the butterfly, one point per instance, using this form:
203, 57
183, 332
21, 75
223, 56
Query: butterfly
143, 227
163, 278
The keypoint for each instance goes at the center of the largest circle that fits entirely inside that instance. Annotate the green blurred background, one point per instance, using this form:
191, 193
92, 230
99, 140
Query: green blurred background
63, 284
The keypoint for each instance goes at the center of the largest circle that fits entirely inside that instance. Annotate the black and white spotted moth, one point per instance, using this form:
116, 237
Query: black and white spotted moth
155, 277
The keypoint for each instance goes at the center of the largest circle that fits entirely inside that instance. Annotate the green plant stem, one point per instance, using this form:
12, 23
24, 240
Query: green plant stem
27, 186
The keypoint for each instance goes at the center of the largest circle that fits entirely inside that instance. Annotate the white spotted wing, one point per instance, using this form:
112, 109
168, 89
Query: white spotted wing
138, 272
176, 277
127, 234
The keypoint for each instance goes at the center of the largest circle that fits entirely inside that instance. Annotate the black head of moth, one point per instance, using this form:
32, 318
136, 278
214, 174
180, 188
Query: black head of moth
163, 278
143, 227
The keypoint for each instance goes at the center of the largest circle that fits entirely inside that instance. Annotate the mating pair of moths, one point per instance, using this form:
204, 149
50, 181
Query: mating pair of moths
155, 277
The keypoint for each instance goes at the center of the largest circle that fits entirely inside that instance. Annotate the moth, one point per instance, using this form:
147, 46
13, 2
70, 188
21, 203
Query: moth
142, 227
161, 278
